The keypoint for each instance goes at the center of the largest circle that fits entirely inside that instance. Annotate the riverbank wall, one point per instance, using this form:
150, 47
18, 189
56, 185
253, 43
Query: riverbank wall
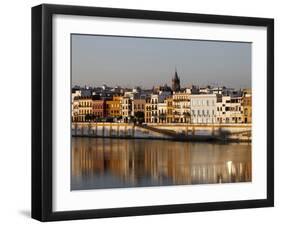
182, 132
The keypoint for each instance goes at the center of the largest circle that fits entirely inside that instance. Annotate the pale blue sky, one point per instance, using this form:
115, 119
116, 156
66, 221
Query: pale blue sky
147, 62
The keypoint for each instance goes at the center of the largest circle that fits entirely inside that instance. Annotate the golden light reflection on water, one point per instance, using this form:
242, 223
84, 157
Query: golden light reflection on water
111, 163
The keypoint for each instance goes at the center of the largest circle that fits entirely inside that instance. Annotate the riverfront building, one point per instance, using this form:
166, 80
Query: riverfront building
181, 107
113, 107
85, 104
148, 111
203, 108
229, 110
138, 105
162, 104
247, 106
156, 101
99, 108
75, 104
162, 112
170, 109
126, 104
75, 109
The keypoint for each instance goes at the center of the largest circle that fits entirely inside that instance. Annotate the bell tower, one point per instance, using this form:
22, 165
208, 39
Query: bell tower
176, 82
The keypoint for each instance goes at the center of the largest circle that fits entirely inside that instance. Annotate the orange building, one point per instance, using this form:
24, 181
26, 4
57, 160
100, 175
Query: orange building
113, 107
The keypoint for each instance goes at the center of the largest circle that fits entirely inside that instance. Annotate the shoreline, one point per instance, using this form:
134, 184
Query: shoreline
195, 138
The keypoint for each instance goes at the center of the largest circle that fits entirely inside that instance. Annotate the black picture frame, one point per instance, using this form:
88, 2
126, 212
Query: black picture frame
42, 111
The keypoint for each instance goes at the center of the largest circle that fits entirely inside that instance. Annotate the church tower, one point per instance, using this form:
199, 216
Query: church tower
176, 82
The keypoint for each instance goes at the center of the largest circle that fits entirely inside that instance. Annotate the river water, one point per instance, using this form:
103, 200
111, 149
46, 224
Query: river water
114, 163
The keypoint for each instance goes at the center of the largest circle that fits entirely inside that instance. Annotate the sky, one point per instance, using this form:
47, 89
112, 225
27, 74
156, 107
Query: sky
147, 62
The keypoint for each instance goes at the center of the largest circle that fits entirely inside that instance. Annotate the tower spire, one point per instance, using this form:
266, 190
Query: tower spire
176, 81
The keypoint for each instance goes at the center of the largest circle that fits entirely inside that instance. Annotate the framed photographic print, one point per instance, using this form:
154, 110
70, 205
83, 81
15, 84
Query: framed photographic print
145, 112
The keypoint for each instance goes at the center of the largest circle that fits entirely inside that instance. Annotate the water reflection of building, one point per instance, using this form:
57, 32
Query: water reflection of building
147, 163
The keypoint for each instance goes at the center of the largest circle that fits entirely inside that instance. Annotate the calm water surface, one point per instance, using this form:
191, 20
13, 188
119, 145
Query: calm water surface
114, 163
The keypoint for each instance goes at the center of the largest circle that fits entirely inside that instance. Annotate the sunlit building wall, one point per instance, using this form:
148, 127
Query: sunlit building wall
203, 108
229, 110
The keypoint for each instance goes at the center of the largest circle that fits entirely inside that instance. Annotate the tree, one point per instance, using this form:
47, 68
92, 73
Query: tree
139, 116
88, 117
187, 115
93, 117
162, 117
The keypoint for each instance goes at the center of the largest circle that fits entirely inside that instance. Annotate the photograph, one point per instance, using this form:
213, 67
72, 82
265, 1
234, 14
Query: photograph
153, 111
141, 112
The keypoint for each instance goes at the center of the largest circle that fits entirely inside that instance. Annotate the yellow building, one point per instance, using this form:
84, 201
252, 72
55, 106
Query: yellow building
170, 109
85, 108
113, 107
247, 106
181, 105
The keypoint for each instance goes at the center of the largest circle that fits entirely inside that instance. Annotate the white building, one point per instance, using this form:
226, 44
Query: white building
205, 90
129, 94
162, 112
126, 108
155, 100
75, 104
154, 107
203, 108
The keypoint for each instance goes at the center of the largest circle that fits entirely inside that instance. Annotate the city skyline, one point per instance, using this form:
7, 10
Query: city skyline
147, 62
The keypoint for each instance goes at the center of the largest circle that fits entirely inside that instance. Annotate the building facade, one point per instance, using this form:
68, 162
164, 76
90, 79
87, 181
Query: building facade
181, 107
138, 105
99, 108
203, 108
75, 94
75, 109
113, 107
147, 111
247, 106
126, 108
162, 112
229, 110
85, 108
170, 110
